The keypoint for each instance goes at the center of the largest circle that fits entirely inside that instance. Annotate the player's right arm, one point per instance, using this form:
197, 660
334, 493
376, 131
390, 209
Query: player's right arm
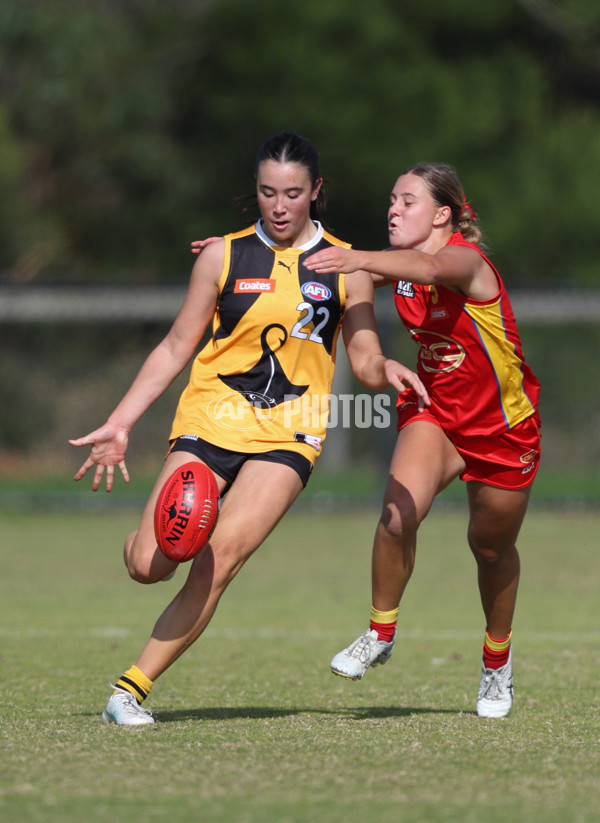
161, 367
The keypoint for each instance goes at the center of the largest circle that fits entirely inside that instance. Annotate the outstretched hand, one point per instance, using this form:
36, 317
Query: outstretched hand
109, 445
334, 259
402, 378
198, 245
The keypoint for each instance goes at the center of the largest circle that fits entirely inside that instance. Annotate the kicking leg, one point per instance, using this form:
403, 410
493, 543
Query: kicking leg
258, 498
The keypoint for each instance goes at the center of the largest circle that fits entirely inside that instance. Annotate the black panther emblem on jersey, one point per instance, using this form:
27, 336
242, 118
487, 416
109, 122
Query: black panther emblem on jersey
265, 385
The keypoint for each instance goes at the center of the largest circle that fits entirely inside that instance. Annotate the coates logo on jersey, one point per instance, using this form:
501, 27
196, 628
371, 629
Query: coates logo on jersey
437, 352
254, 285
315, 291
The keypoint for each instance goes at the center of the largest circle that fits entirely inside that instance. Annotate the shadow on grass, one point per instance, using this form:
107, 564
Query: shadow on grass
269, 712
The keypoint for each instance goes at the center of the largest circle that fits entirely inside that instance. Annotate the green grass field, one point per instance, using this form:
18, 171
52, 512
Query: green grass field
251, 725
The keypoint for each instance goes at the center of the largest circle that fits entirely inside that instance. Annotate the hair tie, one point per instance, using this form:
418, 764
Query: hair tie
469, 209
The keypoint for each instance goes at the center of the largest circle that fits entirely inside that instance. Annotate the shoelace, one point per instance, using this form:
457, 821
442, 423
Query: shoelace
495, 686
129, 703
362, 648
131, 706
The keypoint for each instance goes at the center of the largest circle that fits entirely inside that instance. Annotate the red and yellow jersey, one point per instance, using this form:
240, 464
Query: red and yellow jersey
470, 356
262, 382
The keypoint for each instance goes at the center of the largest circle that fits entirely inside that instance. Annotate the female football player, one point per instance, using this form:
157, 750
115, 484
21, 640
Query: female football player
274, 332
482, 424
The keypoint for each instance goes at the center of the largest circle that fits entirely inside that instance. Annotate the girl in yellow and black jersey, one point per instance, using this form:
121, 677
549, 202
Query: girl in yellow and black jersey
274, 332
271, 353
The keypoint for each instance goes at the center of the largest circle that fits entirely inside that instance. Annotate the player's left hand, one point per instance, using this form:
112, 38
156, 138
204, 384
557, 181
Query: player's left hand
334, 259
402, 378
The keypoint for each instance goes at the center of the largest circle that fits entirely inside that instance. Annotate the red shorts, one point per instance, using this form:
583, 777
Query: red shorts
508, 460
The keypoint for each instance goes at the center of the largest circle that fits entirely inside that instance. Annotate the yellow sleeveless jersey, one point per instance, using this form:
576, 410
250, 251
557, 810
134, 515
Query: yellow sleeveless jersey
263, 380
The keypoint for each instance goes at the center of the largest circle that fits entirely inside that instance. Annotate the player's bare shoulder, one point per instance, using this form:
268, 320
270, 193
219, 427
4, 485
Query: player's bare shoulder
466, 270
203, 288
210, 262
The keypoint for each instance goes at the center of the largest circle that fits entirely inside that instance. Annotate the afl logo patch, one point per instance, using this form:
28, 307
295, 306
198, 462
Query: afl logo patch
315, 291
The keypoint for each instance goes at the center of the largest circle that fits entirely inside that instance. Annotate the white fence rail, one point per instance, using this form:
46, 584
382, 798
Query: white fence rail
53, 304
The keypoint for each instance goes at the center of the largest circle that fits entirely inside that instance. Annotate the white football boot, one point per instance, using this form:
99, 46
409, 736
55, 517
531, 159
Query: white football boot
124, 710
367, 651
496, 690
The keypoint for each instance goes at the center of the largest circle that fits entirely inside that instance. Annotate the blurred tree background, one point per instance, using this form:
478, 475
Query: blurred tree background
127, 127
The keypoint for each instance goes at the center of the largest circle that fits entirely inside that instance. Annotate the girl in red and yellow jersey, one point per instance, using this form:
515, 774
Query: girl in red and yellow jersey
470, 355
482, 424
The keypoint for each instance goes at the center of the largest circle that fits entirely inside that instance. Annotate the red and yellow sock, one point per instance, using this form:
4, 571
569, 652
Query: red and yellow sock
135, 681
384, 623
495, 652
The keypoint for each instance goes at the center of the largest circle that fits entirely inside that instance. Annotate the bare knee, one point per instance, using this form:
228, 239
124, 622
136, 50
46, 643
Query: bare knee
217, 565
127, 547
141, 573
136, 573
145, 566
396, 524
485, 556
489, 555
226, 566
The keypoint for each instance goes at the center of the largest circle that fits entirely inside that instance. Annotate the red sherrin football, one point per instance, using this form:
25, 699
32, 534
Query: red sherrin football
186, 511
